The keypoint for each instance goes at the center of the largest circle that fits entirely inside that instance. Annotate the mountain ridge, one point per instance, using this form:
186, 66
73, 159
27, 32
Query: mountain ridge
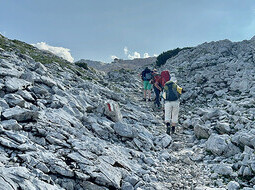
118, 64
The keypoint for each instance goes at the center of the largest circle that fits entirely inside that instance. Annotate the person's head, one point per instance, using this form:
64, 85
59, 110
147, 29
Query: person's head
173, 79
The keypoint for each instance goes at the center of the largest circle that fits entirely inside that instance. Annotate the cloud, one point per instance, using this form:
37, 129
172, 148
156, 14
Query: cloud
146, 55
155, 55
125, 50
136, 55
3, 33
114, 57
59, 51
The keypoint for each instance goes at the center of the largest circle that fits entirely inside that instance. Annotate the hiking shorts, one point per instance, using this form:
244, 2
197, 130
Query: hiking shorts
172, 111
146, 85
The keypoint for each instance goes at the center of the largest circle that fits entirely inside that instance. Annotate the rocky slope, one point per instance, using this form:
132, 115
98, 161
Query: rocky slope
219, 106
54, 133
118, 64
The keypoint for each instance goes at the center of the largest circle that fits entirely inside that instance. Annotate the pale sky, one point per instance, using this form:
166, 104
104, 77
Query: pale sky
104, 29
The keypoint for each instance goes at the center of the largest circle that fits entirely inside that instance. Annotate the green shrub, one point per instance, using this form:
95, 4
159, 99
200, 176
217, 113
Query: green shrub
163, 57
82, 65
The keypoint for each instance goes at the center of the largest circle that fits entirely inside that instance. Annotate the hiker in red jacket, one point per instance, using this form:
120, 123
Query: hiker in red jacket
156, 81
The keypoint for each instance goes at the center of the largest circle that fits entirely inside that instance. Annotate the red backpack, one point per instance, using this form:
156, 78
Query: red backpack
165, 76
157, 78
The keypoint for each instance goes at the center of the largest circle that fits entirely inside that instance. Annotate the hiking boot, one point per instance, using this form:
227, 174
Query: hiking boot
149, 100
173, 129
168, 130
144, 99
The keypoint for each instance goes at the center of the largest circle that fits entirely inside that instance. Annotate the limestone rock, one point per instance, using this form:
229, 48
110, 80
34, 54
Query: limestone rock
221, 145
11, 125
20, 114
202, 131
15, 84
112, 110
123, 130
233, 185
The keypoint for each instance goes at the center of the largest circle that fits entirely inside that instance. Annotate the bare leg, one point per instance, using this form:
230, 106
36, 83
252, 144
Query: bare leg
149, 94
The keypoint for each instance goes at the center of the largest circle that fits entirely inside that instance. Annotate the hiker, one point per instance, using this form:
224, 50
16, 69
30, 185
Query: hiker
165, 76
171, 94
146, 76
156, 81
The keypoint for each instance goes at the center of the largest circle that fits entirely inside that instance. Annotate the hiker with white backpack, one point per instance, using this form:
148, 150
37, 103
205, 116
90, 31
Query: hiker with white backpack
171, 95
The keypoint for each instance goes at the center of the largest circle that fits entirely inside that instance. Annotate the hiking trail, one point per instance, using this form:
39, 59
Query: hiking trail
184, 168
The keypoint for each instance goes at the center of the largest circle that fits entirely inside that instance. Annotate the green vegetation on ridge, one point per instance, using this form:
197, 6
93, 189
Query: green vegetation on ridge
163, 57
23, 49
43, 57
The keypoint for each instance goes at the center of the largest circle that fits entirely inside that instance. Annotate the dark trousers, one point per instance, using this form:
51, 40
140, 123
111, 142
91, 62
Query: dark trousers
157, 92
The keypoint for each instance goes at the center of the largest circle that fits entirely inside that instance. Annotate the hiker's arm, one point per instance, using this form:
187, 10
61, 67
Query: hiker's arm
141, 76
157, 86
179, 89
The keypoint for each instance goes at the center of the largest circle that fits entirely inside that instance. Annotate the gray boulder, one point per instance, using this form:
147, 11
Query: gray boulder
112, 110
14, 84
163, 141
221, 145
240, 85
223, 169
10, 72
26, 95
202, 131
233, 185
109, 175
21, 177
3, 104
11, 125
124, 130
223, 128
244, 138
14, 100
127, 186
20, 114
143, 142
48, 81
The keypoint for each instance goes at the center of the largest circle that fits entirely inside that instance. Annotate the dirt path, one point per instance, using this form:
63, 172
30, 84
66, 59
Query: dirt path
185, 168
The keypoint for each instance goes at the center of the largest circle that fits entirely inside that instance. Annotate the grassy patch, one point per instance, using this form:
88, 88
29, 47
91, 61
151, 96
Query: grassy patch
43, 57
